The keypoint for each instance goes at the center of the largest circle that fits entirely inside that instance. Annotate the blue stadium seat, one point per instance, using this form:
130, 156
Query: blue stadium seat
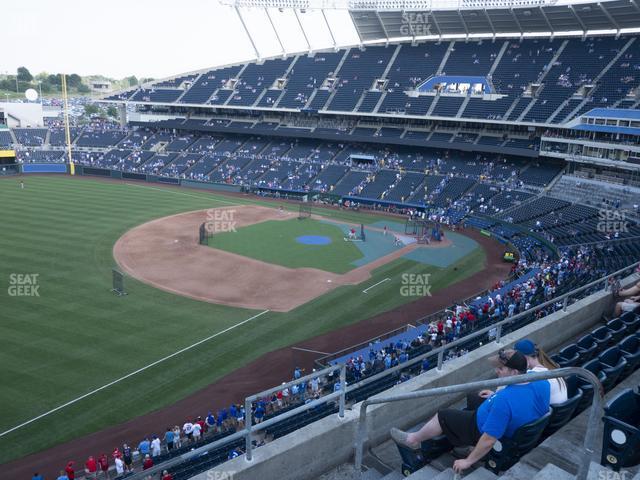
595, 367
603, 337
413, 460
631, 320
562, 413
621, 436
572, 355
613, 363
617, 328
630, 350
507, 451
588, 347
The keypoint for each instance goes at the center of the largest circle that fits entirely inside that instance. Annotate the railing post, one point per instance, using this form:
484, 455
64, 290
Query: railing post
498, 334
440, 360
343, 389
565, 302
247, 425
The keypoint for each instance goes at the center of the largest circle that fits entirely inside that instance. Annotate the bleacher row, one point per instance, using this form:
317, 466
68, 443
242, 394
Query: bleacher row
453, 183
574, 75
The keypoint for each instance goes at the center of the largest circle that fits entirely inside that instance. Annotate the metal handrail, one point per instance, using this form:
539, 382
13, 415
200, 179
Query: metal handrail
590, 438
249, 429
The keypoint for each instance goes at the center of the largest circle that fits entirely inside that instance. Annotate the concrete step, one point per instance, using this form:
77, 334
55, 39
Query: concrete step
371, 474
426, 473
443, 462
520, 471
481, 474
551, 472
395, 475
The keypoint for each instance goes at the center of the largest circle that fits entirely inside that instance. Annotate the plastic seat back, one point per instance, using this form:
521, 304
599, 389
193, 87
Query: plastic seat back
562, 413
602, 336
571, 354
588, 347
631, 320
507, 451
621, 435
617, 328
630, 350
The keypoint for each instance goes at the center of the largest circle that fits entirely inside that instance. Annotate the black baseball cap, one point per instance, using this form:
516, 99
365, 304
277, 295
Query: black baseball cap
511, 359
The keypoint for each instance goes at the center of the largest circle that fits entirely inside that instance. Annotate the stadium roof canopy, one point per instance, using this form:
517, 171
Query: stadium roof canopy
385, 20
474, 19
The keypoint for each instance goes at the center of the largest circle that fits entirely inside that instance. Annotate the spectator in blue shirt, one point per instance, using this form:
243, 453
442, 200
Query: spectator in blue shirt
144, 447
168, 438
500, 414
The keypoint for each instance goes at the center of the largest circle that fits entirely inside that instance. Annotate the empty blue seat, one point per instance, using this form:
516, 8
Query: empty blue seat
572, 355
602, 336
617, 328
507, 451
562, 413
613, 363
595, 367
588, 348
631, 320
630, 349
621, 435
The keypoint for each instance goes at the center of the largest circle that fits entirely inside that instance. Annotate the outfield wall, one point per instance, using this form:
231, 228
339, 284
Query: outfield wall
327, 443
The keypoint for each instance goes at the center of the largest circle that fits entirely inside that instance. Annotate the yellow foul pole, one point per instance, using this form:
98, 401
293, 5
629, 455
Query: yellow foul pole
67, 131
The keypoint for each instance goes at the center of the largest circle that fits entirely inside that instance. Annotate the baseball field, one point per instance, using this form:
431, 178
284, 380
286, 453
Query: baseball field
77, 359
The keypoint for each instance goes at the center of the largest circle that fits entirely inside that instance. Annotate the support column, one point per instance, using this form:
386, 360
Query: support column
275, 30
255, 49
304, 33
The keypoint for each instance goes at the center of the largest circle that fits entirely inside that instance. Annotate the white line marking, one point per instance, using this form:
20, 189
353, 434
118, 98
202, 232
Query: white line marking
310, 351
382, 281
131, 374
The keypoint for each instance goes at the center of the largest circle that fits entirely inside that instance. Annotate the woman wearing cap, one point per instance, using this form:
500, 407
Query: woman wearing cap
539, 361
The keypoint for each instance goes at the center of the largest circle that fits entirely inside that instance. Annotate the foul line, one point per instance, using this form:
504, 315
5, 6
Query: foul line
367, 289
309, 350
131, 374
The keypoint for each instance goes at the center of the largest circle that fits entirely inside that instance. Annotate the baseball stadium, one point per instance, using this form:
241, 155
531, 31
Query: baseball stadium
415, 256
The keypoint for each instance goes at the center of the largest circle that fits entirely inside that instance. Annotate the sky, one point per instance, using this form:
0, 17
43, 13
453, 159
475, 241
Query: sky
150, 38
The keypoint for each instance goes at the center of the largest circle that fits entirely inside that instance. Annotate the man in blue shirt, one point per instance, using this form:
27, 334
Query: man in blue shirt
499, 415
144, 447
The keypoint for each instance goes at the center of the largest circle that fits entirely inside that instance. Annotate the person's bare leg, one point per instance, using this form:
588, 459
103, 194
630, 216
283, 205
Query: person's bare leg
618, 310
429, 430
631, 291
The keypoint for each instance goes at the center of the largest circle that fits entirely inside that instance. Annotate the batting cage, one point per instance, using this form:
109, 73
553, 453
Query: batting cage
117, 282
304, 211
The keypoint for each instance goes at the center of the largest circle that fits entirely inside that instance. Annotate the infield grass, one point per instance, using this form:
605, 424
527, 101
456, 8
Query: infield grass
275, 242
77, 336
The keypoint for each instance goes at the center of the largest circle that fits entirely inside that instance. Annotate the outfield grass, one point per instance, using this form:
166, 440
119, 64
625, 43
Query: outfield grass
275, 242
77, 336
